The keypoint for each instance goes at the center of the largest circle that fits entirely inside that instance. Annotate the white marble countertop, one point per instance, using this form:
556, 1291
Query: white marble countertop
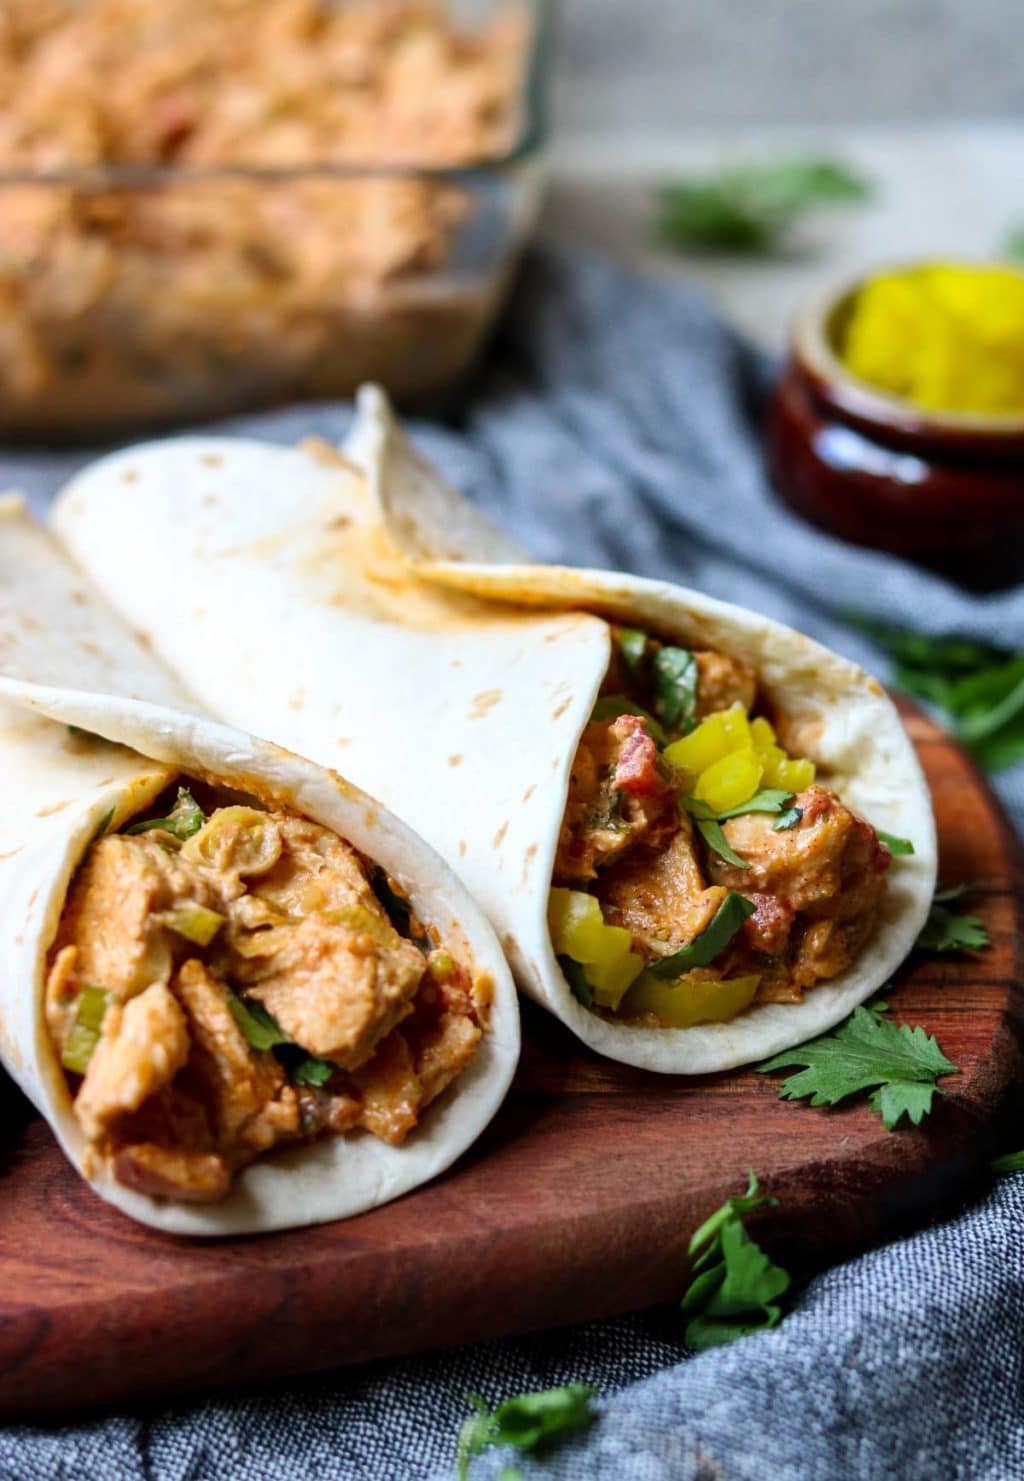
949, 188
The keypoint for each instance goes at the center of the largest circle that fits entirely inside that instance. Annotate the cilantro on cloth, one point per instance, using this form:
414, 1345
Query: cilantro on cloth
735, 1287
946, 930
899, 1064
752, 208
979, 689
526, 1421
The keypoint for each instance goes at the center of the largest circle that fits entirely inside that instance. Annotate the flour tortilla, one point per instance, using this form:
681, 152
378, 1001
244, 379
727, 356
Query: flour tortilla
59, 785
358, 610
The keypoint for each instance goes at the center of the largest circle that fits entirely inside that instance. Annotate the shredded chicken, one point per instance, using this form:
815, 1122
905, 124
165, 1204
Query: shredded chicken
143, 1045
660, 894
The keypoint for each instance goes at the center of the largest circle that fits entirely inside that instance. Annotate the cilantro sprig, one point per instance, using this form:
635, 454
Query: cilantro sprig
525, 1421
949, 930
735, 1287
897, 1063
674, 679
752, 208
979, 689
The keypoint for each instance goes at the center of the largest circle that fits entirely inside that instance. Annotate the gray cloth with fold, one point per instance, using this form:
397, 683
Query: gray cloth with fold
616, 424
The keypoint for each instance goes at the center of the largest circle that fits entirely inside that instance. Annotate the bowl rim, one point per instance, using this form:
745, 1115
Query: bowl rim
811, 346
532, 137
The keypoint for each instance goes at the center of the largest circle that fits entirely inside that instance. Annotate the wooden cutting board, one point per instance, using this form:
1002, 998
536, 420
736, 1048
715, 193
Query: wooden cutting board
578, 1202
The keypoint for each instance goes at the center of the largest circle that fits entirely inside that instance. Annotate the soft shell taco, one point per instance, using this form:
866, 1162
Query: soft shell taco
680, 816
244, 996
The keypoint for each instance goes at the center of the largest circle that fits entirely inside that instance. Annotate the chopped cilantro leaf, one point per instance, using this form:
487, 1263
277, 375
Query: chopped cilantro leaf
736, 1287
711, 832
899, 1064
787, 819
312, 1071
715, 937
895, 845
674, 677
946, 930
632, 647
260, 1029
526, 1421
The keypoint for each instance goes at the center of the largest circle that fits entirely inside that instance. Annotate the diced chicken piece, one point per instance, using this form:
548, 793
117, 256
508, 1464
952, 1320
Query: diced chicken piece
250, 1101
143, 1045
814, 866
621, 793
723, 682
172, 1172
660, 894
113, 909
444, 1052
317, 871
391, 1091
817, 888
334, 990
323, 1110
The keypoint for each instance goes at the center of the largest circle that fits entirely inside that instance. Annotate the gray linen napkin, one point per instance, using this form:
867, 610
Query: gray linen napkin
616, 424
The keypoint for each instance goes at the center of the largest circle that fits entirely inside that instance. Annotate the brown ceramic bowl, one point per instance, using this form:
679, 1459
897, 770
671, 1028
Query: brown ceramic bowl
943, 488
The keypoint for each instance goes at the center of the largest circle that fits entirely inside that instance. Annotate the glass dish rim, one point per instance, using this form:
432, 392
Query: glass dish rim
530, 140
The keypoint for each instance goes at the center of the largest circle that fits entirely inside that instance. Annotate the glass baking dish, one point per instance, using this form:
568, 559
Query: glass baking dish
144, 295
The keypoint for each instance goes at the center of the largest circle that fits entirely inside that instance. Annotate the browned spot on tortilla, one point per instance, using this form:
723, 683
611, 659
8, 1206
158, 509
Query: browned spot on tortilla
556, 762
499, 837
79, 598
455, 760
198, 611
456, 663
484, 701
462, 848
561, 709
208, 501
130, 475
528, 858
529, 791
87, 646
298, 699
29, 623
211, 460
339, 522
11, 852
508, 942
45, 812
344, 740
33, 898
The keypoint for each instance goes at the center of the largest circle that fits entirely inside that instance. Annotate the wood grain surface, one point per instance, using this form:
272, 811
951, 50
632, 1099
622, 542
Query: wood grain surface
577, 1203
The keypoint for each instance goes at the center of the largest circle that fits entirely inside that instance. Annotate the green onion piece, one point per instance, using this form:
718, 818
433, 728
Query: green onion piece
195, 923
85, 1032
611, 706
313, 1072
788, 819
260, 1029
577, 980
185, 819
711, 832
895, 845
703, 949
674, 676
632, 647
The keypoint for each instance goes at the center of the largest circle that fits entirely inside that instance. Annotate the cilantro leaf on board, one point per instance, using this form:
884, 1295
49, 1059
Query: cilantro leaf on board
899, 1064
1009, 1162
948, 930
752, 208
736, 1287
526, 1421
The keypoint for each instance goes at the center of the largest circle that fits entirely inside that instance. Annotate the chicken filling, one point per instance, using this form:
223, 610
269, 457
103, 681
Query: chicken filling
700, 867
226, 979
